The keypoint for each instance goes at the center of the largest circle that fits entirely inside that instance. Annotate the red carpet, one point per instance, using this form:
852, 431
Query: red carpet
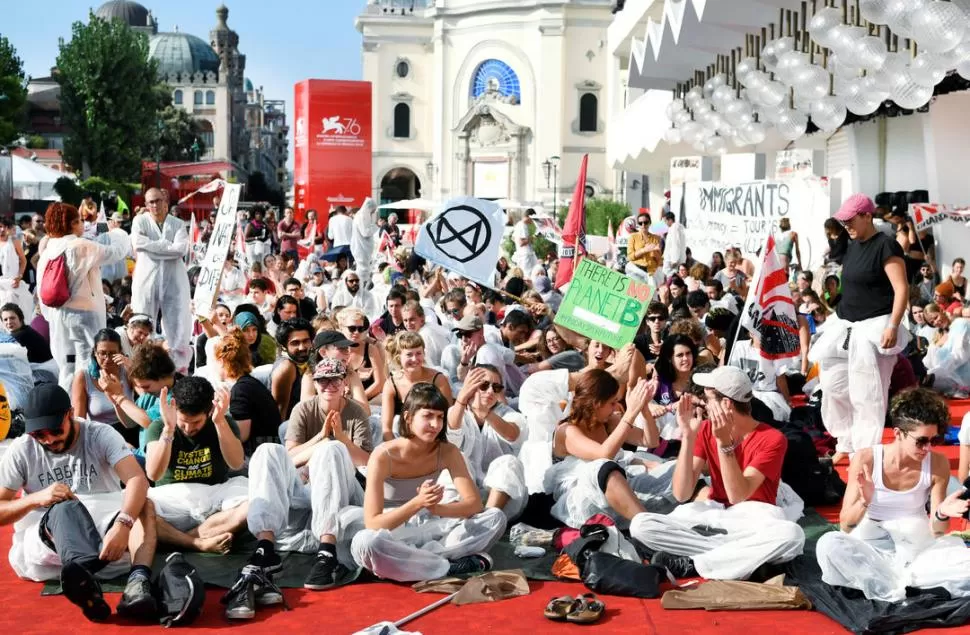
345, 610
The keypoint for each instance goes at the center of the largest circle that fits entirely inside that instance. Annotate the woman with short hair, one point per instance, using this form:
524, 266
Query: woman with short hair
406, 351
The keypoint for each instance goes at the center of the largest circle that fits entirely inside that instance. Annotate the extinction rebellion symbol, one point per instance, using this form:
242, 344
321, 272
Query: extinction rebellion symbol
461, 232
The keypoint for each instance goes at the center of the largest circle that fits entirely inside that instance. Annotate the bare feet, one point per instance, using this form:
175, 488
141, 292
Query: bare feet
215, 544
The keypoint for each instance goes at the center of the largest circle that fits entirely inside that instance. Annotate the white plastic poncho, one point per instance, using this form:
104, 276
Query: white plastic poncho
363, 300
362, 239
161, 282
950, 364
542, 400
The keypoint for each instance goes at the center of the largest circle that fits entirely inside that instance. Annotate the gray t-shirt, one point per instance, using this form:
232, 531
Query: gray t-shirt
88, 467
573, 360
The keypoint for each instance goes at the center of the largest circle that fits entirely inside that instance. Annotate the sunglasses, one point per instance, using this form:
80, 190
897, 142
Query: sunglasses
356, 329
496, 388
641, 224
329, 382
654, 318
464, 335
455, 311
923, 442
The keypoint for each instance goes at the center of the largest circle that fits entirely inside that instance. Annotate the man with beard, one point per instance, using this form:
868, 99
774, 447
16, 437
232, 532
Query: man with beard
295, 339
74, 520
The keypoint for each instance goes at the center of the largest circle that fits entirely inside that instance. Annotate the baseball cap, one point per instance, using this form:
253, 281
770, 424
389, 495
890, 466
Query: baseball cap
46, 406
332, 338
469, 323
329, 368
853, 206
316, 268
730, 381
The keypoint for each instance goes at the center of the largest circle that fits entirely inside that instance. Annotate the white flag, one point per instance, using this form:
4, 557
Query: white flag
465, 237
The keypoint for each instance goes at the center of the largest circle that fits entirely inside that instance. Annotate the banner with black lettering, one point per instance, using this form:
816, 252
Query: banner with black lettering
210, 272
719, 216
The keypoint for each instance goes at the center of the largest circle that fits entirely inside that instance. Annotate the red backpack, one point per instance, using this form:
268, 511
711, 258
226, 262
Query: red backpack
54, 290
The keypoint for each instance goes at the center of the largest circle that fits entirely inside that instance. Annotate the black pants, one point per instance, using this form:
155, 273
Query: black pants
68, 529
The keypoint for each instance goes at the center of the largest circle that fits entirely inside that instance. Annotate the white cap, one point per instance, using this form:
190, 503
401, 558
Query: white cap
730, 381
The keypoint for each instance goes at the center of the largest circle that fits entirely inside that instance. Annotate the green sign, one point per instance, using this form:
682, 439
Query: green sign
604, 305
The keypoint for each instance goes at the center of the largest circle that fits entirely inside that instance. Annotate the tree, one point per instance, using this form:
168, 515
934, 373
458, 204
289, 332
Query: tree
109, 98
13, 93
178, 134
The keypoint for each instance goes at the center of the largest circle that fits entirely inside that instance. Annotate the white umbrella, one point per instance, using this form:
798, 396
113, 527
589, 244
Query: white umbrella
414, 203
33, 181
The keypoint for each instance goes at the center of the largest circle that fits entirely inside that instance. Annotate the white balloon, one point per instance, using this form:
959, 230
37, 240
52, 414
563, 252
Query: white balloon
870, 52
828, 113
858, 101
681, 117
715, 145
745, 66
939, 26
710, 85
755, 132
841, 67
822, 24
912, 96
876, 11
956, 56
963, 69
843, 41
773, 94
673, 108
789, 64
903, 13
722, 95
791, 124
691, 132
873, 89
928, 69
673, 136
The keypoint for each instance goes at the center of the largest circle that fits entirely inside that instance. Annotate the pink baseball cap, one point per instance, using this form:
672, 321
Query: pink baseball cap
853, 206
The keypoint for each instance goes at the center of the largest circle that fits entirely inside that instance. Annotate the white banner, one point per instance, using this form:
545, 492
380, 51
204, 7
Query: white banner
925, 215
210, 274
465, 237
721, 216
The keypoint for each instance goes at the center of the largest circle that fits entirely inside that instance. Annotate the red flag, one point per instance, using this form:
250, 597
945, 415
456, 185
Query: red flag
386, 247
193, 240
574, 232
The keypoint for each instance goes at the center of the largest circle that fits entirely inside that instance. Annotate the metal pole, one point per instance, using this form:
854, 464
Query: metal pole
555, 191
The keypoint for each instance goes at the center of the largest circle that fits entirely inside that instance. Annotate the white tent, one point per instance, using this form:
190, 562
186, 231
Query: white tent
34, 181
414, 203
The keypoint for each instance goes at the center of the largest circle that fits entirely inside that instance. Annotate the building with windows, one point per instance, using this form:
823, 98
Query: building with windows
497, 99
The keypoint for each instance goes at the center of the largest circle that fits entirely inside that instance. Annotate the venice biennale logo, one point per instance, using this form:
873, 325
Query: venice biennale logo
301, 131
340, 131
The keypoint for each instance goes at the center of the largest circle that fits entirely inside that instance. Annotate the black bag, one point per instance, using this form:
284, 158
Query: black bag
179, 592
612, 575
816, 482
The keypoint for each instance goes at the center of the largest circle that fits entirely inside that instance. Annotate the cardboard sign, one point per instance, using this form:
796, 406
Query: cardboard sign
210, 274
604, 305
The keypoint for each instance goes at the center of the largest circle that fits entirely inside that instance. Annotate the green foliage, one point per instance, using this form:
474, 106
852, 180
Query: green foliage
543, 247
109, 98
72, 192
599, 213
36, 142
13, 93
178, 133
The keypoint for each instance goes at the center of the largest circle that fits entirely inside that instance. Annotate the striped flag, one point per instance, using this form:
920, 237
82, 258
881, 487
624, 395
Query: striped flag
208, 188
386, 246
194, 236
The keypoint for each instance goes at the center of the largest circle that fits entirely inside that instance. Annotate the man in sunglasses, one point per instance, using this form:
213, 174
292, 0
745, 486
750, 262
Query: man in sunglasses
299, 495
74, 519
349, 292
472, 350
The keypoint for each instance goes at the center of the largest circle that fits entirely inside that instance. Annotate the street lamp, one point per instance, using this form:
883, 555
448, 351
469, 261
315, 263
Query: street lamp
550, 167
431, 169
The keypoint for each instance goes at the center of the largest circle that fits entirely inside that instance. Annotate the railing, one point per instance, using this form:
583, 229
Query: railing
398, 7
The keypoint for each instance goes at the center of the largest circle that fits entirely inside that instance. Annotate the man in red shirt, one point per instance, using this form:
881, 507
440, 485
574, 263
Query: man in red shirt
289, 233
739, 527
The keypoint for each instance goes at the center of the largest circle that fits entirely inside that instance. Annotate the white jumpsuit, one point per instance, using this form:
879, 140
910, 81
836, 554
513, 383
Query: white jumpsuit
161, 282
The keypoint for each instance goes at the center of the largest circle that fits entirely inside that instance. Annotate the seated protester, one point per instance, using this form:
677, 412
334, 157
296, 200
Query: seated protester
286, 308
38, 348
333, 344
232, 284
489, 434
708, 348
732, 278
258, 295
699, 304
256, 273
698, 273
650, 342
406, 351
542, 315
367, 358
768, 380
251, 404
264, 349
887, 543
943, 298
306, 497
295, 339
95, 383
473, 349
552, 297
213, 326
492, 333
191, 449
293, 287
947, 359
436, 338
743, 458
74, 520
591, 474
673, 370
137, 330
412, 531
392, 321
832, 291
918, 326
714, 289
248, 325
452, 307
555, 353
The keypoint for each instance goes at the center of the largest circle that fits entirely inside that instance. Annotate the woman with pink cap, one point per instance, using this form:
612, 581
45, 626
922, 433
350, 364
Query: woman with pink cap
858, 346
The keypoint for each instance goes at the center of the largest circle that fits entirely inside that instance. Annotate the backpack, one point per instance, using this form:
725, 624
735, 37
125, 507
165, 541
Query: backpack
179, 592
54, 289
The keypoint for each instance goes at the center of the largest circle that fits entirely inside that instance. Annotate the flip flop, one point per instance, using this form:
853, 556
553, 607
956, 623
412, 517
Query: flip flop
586, 610
558, 608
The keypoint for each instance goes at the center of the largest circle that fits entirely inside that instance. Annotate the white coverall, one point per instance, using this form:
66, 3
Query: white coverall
161, 281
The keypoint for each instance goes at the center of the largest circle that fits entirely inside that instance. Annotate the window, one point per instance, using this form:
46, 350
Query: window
402, 69
197, 98
210, 98
496, 75
178, 98
402, 121
588, 106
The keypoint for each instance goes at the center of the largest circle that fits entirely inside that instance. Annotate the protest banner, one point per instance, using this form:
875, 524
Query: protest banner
210, 273
720, 216
464, 237
925, 215
604, 305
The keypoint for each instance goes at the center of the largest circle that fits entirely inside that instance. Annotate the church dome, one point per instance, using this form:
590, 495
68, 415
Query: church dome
131, 13
182, 53
248, 85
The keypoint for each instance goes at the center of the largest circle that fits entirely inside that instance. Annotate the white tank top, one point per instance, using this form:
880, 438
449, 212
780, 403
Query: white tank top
888, 504
9, 261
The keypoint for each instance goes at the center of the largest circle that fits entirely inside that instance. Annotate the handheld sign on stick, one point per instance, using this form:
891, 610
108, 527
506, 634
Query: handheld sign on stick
210, 275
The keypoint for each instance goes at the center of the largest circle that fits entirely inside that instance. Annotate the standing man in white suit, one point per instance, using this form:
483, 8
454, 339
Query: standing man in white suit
161, 281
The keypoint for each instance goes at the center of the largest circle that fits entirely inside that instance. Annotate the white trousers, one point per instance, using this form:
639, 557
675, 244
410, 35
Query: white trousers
882, 559
30, 558
186, 505
421, 548
855, 380
297, 512
757, 533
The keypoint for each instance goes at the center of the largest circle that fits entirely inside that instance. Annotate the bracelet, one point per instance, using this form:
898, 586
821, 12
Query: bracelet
729, 449
167, 438
463, 405
940, 519
124, 519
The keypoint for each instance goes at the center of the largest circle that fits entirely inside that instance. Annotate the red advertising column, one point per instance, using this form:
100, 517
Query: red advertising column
332, 146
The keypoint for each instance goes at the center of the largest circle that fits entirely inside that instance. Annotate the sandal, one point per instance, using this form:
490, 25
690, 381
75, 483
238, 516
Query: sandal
558, 608
586, 610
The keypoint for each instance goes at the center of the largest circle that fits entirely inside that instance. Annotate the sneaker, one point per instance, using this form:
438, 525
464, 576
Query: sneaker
678, 566
137, 601
240, 600
268, 596
324, 574
475, 563
81, 588
268, 562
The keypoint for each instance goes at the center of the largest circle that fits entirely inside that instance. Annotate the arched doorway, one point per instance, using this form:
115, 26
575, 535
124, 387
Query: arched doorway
400, 184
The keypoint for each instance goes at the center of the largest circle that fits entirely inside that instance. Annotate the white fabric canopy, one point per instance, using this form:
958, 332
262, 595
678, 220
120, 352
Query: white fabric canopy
34, 181
414, 203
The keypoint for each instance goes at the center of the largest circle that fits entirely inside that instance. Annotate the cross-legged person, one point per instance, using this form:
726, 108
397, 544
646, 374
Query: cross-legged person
413, 532
306, 497
739, 528
74, 520
191, 450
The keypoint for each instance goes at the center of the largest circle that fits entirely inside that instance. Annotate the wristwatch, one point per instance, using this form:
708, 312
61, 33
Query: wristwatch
125, 520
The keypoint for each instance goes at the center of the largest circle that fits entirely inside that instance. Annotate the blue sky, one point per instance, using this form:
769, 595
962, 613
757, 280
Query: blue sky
284, 41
